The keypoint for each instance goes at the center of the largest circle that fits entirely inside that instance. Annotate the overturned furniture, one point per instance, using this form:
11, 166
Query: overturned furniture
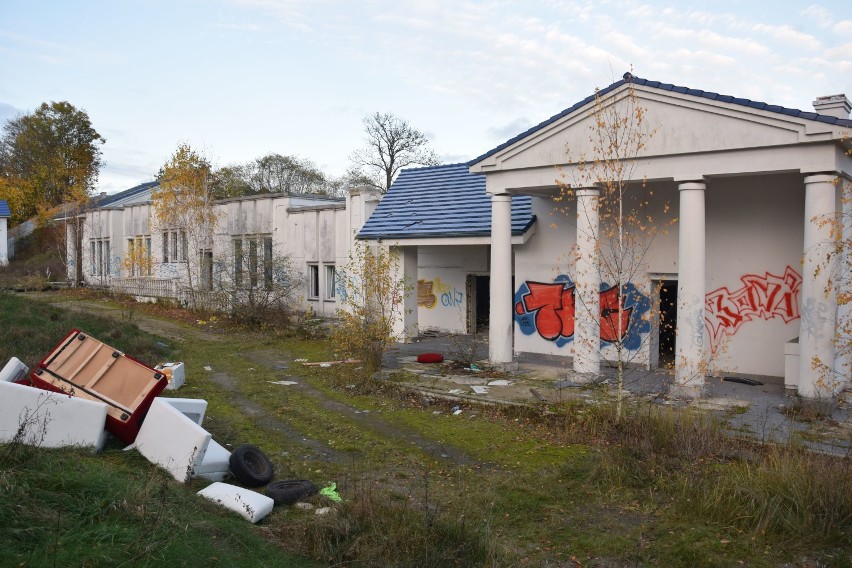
172, 437
83, 367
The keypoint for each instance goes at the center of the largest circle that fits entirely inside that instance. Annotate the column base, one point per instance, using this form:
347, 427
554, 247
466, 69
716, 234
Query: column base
687, 391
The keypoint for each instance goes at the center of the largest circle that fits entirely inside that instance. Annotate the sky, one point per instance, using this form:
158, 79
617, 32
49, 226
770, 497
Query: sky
238, 79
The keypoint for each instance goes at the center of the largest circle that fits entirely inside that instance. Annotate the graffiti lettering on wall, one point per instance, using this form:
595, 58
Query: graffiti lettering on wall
760, 297
431, 292
549, 309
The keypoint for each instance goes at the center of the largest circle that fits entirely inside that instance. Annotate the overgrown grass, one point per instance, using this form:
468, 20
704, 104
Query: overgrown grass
30, 329
70, 508
375, 528
659, 487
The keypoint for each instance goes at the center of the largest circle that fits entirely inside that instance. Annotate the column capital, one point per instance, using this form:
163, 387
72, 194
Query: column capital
587, 192
691, 184
822, 177
501, 197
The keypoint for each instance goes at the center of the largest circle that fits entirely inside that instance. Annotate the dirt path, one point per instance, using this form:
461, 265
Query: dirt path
317, 450
271, 360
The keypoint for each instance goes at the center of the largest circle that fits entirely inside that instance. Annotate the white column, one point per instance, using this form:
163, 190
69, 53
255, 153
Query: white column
843, 357
501, 323
405, 267
689, 343
587, 324
818, 305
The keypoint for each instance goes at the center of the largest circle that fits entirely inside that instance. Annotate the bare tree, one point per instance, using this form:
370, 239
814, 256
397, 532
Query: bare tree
619, 227
390, 144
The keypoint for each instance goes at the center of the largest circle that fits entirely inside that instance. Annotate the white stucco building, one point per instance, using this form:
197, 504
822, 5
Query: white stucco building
752, 190
5, 213
743, 194
240, 253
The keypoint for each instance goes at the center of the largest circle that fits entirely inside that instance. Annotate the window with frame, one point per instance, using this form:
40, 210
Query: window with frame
267, 263
313, 282
330, 281
206, 269
99, 257
238, 262
175, 246
253, 265
140, 262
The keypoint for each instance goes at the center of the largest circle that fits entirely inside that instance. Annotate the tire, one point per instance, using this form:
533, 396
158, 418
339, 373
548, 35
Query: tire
289, 491
250, 466
430, 358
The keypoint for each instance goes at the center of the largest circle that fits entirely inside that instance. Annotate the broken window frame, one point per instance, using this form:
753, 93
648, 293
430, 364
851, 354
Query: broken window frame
313, 281
330, 282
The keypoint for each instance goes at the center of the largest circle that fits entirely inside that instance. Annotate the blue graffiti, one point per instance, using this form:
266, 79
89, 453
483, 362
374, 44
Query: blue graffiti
555, 309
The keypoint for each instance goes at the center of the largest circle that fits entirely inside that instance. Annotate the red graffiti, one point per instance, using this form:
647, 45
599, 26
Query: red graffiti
761, 297
609, 316
554, 307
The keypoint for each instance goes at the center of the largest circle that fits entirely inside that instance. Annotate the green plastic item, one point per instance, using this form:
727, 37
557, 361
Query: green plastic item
331, 493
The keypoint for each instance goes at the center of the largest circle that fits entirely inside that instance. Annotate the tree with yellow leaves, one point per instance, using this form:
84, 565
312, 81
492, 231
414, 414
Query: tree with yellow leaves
184, 206
50, 159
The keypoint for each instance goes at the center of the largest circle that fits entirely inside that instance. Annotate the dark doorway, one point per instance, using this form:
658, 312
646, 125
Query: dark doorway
483, 301
668, 322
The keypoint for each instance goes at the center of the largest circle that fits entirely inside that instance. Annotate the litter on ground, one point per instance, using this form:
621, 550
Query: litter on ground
328, 363
330, 491
285, 383
499, 383
479, 390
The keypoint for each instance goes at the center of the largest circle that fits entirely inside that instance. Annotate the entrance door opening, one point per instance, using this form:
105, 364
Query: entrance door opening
668, 322
483, 302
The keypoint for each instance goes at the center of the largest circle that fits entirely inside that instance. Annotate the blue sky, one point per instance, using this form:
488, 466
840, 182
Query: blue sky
241, 78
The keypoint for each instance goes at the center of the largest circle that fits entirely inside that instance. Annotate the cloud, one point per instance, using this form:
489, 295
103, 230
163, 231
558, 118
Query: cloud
8, 112
511, 129
818, 15
55, 53
788, 35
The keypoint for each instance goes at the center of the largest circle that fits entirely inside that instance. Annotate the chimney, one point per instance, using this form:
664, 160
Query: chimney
833, 105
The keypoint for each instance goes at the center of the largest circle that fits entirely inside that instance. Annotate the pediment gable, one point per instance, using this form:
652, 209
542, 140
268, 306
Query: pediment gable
675, 124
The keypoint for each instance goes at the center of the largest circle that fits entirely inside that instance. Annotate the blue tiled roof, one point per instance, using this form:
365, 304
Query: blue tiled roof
123, 195
4, 209
676, 89
440, 201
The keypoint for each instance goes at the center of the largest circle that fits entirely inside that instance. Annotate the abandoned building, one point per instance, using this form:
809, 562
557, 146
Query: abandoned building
514, 241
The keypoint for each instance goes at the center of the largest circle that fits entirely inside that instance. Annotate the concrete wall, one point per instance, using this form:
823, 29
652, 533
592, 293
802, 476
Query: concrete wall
754, 232
443, 295
4, 250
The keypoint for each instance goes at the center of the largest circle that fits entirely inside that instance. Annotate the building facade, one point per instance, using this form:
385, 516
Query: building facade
741, 281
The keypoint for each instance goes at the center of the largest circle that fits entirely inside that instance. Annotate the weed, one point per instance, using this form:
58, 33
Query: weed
808, 410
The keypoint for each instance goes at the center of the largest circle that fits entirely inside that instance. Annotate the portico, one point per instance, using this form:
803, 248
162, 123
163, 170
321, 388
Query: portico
754, 189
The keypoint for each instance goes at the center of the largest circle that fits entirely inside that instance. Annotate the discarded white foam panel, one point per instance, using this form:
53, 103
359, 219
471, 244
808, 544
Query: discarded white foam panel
14, 370
216, 463
171, 440
51, 419
192, 408
250, 504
